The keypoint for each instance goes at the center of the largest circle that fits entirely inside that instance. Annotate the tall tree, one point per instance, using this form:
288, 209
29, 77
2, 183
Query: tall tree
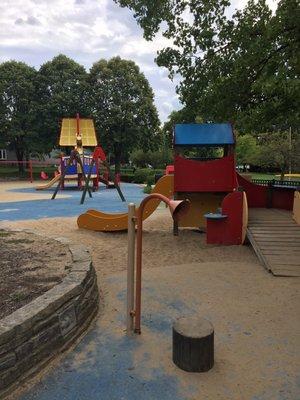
122, 105
279, 150
63, 92
241, 68
246, 149
18, 88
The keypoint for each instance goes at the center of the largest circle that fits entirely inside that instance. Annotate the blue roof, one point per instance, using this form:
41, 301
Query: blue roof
203, 134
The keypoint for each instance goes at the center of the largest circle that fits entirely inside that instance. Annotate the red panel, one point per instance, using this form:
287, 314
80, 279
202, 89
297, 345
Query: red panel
169, 169
227, 231
283, 198
257, 195
99, 153
205, 176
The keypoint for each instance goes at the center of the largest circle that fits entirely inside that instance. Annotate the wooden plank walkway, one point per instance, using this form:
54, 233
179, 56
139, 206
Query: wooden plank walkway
275, 238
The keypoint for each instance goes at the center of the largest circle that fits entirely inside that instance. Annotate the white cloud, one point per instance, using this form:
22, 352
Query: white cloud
34, 31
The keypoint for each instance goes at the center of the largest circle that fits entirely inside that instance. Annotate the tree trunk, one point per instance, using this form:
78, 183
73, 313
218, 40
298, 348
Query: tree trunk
118, 153
20, 154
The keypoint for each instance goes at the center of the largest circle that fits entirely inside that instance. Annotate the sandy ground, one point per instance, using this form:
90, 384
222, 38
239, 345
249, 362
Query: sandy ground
226, 273
29, 266
160, 247
8, 197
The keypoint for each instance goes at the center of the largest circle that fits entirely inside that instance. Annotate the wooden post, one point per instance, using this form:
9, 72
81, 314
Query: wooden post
193, 344
130, 268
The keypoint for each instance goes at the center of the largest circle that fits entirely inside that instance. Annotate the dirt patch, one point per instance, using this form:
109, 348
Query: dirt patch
29, 266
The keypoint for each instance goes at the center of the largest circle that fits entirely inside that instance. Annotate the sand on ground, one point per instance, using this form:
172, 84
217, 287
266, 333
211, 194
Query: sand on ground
161, 249
9, 196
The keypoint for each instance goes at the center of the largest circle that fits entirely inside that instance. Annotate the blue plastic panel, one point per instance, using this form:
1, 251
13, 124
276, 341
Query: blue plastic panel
203, 134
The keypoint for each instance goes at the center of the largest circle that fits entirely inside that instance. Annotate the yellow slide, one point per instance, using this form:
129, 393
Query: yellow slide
48, 184
99, 221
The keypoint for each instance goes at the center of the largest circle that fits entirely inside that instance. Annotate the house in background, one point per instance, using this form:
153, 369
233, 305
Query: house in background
7, 155
10, 155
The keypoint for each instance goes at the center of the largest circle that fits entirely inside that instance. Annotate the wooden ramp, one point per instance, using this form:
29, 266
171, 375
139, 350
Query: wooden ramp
275, 238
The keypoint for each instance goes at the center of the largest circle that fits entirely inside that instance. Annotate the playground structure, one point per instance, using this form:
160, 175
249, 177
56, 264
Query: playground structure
204, 183
79, 133
99, 221
204, 172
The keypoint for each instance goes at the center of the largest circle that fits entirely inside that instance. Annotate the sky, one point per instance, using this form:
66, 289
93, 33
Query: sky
35, 31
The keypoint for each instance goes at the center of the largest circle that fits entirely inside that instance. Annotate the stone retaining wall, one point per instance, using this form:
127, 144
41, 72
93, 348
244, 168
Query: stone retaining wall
33, 334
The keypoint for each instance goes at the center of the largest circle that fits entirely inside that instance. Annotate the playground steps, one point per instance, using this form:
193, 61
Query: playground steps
275, 238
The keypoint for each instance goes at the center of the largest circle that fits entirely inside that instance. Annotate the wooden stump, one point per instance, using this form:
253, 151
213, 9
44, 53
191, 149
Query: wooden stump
193, 344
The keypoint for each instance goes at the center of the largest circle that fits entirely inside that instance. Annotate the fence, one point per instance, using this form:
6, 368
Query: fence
277, 183
29, 165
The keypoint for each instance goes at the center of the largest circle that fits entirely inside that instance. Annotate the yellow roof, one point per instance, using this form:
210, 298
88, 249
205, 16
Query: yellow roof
69, 130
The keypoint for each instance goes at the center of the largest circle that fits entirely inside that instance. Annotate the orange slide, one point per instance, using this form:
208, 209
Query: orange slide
99, 221
48, 184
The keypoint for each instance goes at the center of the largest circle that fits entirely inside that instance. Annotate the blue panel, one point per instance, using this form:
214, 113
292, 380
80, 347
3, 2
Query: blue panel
203, 134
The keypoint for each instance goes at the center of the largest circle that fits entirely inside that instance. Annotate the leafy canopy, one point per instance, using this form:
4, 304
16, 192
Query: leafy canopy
63, 92
18, 100
121, 101
241, 68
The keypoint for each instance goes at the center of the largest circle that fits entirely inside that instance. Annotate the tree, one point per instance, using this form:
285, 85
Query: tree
63, 91
18, 88
157, 159
246, 149
122, 105
241, 68
276, 151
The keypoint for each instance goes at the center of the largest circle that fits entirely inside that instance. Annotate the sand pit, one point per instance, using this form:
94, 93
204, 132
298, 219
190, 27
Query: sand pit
253, 313
29, 266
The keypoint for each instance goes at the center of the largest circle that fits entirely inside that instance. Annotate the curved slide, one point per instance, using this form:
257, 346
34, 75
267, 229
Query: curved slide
48, 184
99, 221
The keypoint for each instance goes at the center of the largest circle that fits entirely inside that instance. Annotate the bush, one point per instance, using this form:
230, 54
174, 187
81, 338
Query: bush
147, 189
157, 159
128, 178
141, 175
139, 158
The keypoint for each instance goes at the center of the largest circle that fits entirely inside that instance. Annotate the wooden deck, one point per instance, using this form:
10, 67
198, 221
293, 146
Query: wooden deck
275, 238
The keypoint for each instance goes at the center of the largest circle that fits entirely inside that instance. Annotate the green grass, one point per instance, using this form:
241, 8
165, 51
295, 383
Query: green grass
265, 175
7, 171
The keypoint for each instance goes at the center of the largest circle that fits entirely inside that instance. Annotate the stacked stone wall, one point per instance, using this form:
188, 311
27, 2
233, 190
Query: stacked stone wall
35, 333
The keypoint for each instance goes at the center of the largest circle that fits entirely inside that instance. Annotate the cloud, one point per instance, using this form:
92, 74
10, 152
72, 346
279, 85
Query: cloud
29, 21
34, 31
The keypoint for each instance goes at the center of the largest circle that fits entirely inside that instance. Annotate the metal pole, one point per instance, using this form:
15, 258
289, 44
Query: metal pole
130, 268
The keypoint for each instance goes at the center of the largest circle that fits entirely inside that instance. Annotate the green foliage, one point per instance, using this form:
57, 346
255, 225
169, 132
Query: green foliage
147, 189
276, 151
157, 159
123, 107
115, 93
63, 92
18, 100
246, 149
141, 175
140, 158
241, 68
